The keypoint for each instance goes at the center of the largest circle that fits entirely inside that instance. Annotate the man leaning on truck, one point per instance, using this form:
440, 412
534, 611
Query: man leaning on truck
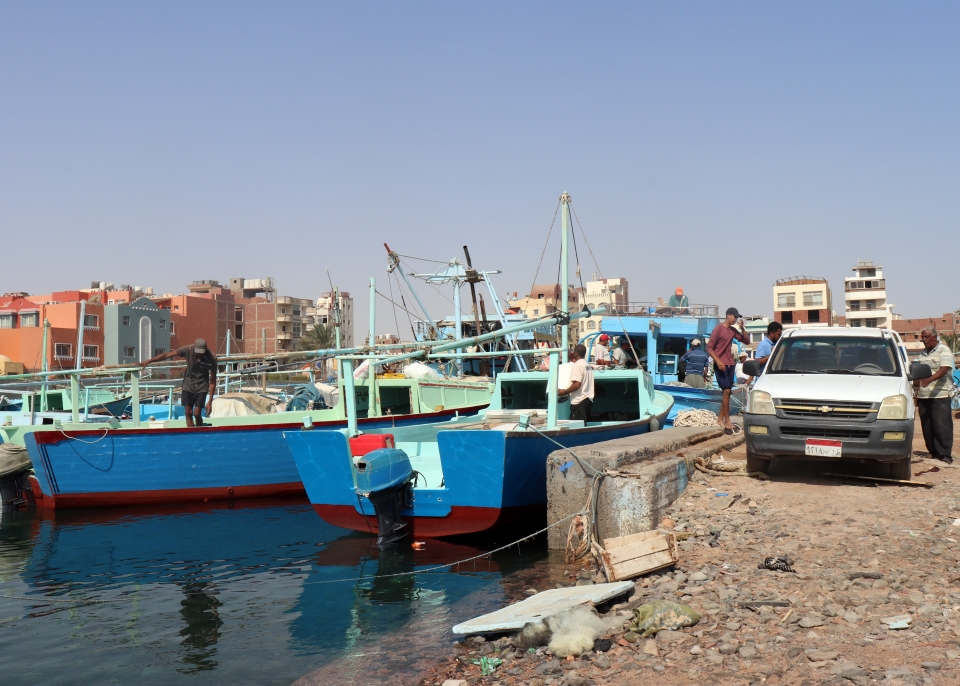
933, 396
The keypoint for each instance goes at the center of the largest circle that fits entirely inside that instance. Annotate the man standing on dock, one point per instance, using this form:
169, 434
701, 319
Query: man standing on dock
933, 396
580, 389
718, 347
697, 363
199, 379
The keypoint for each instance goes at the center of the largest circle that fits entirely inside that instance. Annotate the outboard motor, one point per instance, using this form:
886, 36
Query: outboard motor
384, 477
15, 468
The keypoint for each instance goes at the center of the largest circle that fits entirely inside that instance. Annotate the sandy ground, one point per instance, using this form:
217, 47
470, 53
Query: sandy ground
862, 552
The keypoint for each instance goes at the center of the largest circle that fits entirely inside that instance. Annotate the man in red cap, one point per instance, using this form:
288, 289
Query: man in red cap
601, 353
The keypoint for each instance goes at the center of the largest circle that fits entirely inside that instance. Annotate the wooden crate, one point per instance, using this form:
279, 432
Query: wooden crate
629, 556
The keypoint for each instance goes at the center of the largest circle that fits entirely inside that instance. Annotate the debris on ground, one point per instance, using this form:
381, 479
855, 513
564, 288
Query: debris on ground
662, 615
777, 564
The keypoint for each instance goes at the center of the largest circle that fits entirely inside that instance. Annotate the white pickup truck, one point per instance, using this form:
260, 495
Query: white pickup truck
834, 394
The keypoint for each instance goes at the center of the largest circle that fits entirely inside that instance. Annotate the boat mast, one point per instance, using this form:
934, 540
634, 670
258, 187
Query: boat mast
372, 370
43, 365
564, 277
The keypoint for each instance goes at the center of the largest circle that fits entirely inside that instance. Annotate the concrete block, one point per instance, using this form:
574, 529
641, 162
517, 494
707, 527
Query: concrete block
650, 482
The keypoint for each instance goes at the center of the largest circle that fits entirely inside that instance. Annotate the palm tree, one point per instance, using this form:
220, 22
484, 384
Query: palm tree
320, 337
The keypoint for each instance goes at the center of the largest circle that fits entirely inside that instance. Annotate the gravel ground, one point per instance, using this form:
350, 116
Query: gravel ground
862, 552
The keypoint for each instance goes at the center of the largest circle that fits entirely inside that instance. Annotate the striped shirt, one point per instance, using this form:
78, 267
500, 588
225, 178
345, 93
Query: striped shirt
940, 356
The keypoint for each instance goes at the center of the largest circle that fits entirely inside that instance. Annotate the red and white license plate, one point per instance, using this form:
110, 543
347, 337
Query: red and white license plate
822, 447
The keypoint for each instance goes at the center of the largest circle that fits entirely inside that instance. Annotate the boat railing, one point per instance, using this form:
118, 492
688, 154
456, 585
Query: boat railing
656, 309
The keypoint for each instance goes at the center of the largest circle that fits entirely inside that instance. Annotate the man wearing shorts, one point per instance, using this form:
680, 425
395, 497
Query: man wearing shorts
718, 347
199, 379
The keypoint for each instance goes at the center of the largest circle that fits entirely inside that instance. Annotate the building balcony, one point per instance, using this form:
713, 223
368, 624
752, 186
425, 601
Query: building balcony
285, 318
284, 336
91, 358
866, 314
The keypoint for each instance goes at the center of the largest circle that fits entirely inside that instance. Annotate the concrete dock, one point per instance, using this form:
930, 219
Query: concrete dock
654, 470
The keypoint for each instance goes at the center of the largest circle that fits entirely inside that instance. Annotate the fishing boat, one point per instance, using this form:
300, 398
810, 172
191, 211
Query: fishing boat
19, 406
472, 474
661, 338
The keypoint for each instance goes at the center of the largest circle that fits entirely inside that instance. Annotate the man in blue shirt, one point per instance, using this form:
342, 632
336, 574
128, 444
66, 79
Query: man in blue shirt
774, 331
698, 362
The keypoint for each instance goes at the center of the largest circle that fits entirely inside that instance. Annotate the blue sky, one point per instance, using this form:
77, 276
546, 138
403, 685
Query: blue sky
718, 146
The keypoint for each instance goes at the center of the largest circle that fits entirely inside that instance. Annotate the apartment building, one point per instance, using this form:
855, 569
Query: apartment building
324, 314
865, 295
805, 300
614, 293
22, 320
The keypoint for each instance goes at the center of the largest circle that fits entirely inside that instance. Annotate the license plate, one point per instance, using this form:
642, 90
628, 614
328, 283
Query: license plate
822, 447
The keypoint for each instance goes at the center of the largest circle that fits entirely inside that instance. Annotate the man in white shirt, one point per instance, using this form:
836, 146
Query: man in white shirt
601, 354
580, 389
620, 356
742, 378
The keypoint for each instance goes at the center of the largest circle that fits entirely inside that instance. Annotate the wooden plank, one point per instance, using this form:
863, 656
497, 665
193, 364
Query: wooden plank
544, 604
643, 565
630, 552
620, 541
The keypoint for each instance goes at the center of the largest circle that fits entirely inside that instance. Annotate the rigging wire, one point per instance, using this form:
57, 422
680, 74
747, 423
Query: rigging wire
545, 246
395, 320
636, 355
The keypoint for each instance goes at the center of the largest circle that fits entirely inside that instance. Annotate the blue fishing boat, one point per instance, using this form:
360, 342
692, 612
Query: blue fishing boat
661, 338
472, 474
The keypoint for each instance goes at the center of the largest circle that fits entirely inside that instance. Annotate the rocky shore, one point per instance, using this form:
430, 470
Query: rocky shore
875, 596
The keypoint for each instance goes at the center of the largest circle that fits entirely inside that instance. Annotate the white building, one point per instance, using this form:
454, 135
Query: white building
614, 293
865, 294
325, 316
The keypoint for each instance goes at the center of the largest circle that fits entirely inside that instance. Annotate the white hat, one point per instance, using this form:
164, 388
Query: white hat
695, 342
743, 353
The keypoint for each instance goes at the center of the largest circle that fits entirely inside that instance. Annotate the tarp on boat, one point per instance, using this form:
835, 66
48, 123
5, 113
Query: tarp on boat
242, 405
13, 459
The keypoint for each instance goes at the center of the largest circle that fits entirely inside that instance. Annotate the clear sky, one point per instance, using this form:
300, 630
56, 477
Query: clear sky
718, 146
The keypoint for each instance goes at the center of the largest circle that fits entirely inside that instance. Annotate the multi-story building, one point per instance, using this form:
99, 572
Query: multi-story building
865, 294
22, 321
324, 314
909, 329
135, 331
803, 300
614, 293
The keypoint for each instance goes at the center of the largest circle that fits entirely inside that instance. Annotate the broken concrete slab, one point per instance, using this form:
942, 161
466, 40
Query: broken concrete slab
653, 475
540, 606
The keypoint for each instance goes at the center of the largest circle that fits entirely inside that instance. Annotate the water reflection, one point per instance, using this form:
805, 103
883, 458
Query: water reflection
226, 595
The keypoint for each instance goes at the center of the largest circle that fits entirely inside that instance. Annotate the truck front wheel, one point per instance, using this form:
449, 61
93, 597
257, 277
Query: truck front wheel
902, 470
755, 463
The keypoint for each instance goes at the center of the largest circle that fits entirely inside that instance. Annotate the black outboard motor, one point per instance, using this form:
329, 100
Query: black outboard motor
385, 478
14, 472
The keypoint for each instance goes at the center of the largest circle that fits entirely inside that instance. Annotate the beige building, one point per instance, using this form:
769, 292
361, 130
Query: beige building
613, 293
324, 315
805, 300
865, 295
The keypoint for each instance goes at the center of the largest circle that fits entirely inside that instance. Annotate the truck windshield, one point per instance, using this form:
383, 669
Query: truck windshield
835, 355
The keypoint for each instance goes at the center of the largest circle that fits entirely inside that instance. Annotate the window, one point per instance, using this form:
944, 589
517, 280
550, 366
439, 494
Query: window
756, 337
868, 272
855, 323
786, 317
283, 310
786, 300
129, 351
29, 319
6, 321
591, 325
238, 332
536, 311
176, 308
813, 298
158, 351
296, 310
872, 323
162, 324
871, 305
283, 328
63, 351
126, 320
296, 329
238, 314
854, 305
91, 353
173, 328
813, 316
91, 321
838, 355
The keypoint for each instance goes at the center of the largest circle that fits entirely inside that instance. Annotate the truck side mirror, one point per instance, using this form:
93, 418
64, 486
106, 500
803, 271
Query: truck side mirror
919, 371
751, 368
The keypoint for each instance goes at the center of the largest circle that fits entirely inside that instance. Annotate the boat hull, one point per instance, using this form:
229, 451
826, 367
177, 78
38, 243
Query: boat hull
491, 478
101, 467
700, 399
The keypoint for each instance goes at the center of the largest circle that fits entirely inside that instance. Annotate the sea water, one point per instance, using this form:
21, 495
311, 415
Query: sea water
259, 593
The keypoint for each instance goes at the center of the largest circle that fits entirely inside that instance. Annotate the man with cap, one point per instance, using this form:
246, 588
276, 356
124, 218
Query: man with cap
678, 302
199, 379
742, 379
719, 348
601, 353
698, 363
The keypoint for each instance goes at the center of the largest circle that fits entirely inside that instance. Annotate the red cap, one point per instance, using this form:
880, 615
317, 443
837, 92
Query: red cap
604, 337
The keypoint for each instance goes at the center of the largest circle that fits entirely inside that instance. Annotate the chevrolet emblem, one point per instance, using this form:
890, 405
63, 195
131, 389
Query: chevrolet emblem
825, 408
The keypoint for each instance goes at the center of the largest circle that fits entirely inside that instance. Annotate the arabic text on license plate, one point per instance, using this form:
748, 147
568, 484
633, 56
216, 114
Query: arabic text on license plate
823, 448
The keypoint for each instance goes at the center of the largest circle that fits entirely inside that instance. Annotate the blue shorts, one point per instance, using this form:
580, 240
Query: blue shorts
726, 378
